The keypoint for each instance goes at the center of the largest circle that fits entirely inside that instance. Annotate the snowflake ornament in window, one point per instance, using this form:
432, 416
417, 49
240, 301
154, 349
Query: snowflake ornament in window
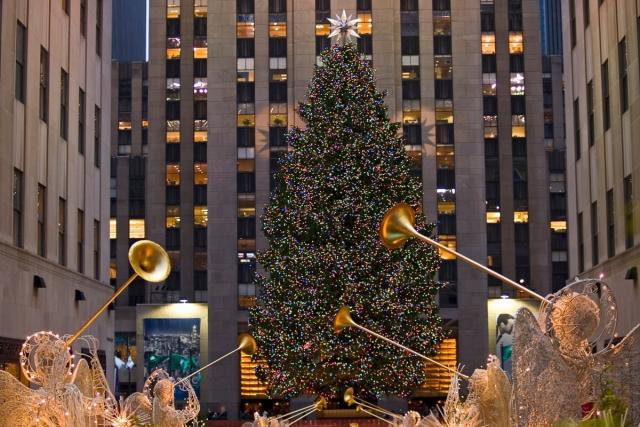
343, 28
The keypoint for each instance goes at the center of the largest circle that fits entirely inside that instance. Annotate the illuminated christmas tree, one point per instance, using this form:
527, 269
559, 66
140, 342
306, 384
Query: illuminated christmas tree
345, 170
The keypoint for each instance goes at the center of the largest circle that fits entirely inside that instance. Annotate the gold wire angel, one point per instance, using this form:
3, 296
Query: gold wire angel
156, 405
68, 395
556, 366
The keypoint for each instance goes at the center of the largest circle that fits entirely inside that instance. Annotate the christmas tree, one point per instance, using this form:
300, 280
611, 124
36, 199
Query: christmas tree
345, 170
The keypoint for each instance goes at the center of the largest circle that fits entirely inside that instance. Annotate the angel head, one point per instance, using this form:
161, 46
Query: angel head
163, 392
574, 318
45, 359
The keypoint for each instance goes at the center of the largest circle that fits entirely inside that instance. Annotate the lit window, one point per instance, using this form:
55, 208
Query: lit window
201, 125
415, 155
124, 125
443, 68
446, 200
277, 29
323, 29
246, 211
558, 226
200, 176
199, 136
450, 242
173, 53
411, 73
200, 88
246, 120
278, 115
113, 226
173, 125
245, 29
517, 126
145, 124
278, 75
173, 8
279, 63
446, 208
490, 126
364, 23
246, 165
521, 217
488, 43
445, 157
200, 216
173, 89
200, 52
441, 23
246, 153
113, 273
493, 217
173, 137
489, 84
444, 111
200, 8
517, 83
173, 174
410, 60
515, 42
136, 228
173, 216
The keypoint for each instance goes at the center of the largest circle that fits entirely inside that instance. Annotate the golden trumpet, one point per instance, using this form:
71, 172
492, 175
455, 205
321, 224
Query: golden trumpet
149, 261
360, 408
350, 399
246, 344
398, 226
343, 320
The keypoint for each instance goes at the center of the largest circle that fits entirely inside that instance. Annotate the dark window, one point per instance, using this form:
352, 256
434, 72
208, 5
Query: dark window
200, 27
585, 11
441, 45
200, 237
65, 6
411, 89
247, 228
18, 208
447, 224
173, 152
200, 194
277, 6
487, 22
606, 107
441, 5
591, 118
363, 5
80, 241
246, 271
96, 249
277, 136
278, 92
517, 104
572, 17
99, 27
413, 134
42, 211
611, 237
444, 89
97, 129
516, 63
44, 84
199, 152
62, 231
21, 62
622, 69
444, 133
245, 92
199, 68
490, 105
173, 110
410, 45
576, 128
64, 104
246, 136
488, 63
322, 10
628, 212
172, 238
172, 195
200, 110
409, 23
246, 182
322, 43
408, 5
246, 48
173, 27
594, 234
365, 44
277, 47
82, 112
245, 6
446, 178
83, 17
173, 68
515, 21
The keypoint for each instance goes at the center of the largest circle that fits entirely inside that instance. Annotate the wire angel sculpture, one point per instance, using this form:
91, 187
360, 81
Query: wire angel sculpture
556, 367
156, 405
69, 395
490, 390
455, 413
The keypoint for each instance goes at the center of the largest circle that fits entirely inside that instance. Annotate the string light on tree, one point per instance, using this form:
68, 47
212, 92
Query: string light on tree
345, 170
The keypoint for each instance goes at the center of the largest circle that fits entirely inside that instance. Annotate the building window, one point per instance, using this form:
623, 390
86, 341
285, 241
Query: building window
628, 212
591, 113
99, 27
65, 6
611, 238
173, 216
594, 234
21, 61
622, 69
83, 18
136, 229
173, 174
62, 231
96, 249
44, 84
606, 107
200, 176
64, 104
516, 45
200, 216
585, 11
42, 209
572, 17
576, 128
173, 9
97, 129
80, 245
81, 120
18, 208
488, 43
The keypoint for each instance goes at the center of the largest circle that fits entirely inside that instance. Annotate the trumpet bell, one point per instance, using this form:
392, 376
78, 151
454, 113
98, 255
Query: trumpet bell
343, 320
149, 260
348, 397
397, 226
247, 344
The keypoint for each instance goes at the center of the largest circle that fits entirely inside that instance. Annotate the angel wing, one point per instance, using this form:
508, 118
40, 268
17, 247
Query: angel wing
22, 406
137, 405
621, 369
490, 391
546, 388
192, 405
82, 378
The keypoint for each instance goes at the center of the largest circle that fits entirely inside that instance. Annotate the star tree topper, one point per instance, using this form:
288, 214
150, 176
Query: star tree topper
343, 27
